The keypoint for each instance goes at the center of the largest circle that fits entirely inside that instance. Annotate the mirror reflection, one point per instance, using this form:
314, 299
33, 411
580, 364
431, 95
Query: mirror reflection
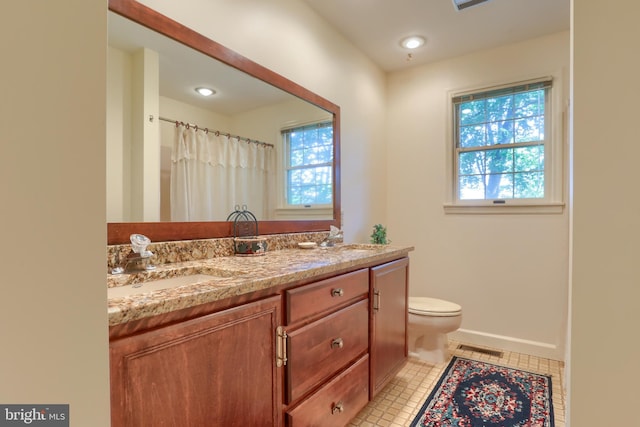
176, 155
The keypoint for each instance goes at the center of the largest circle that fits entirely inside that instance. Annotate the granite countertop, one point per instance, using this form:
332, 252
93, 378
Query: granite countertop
235, 275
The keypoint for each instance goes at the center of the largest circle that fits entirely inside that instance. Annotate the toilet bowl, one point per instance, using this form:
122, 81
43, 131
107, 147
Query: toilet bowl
430, 320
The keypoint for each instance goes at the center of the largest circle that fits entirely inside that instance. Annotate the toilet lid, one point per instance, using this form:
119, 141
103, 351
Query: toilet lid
433, 307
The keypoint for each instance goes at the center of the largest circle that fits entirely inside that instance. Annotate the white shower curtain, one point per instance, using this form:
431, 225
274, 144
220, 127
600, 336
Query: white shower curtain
212, 173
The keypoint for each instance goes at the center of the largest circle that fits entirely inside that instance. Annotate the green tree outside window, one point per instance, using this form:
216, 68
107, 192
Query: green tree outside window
309, 164
500, 143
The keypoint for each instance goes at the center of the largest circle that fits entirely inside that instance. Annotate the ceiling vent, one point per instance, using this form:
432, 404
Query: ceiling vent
463, 4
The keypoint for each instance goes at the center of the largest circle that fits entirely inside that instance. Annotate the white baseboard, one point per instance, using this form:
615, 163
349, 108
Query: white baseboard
483, 339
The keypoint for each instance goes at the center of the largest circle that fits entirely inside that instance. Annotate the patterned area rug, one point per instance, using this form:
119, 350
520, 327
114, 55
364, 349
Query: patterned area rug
480, 394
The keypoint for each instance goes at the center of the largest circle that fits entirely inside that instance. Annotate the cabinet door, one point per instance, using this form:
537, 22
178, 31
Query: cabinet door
389, 315
217, 369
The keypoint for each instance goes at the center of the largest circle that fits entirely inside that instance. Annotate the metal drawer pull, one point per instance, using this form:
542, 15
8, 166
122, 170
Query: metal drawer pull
281, 346
376, 299
337, 292
337, 343
338, 407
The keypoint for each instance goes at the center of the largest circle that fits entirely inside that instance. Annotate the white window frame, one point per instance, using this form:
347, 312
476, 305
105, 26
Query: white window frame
553, 146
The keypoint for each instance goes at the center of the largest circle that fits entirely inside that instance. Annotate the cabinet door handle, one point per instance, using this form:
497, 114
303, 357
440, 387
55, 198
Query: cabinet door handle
337, 343
281, 346
376, 299
337, 408
337, 292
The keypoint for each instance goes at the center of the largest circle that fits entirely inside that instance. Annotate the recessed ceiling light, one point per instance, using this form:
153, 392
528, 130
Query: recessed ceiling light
205, 91
412, 42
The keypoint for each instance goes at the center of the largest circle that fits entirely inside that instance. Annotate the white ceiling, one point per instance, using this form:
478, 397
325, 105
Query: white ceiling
376, 26
182, 70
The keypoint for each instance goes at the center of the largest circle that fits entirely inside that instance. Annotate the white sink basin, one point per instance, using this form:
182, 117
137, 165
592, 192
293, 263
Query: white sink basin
158, 284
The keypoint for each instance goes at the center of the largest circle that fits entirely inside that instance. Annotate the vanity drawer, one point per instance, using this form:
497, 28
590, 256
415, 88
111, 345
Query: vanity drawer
336, 403
320, 349
322, 296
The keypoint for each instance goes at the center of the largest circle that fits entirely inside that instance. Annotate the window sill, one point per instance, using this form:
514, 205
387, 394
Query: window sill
310, 213
484, 209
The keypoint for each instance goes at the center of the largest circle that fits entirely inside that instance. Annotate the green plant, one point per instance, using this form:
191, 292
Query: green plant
379, 235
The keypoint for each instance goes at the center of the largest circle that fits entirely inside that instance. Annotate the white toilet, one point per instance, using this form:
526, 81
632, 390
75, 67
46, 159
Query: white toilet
430, 320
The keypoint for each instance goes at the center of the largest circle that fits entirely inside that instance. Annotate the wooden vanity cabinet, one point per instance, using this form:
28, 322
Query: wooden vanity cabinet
217, 369
388, 349
314, 355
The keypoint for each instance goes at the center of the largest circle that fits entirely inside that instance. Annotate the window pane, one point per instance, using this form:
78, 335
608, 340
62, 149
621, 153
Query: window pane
529, 129
324, 194
294, 195
529, 185
499, 161
296, 158
500, 132
326, 135
295, 175
471, 187
499, 186
472, 163
308, 194
502, 174
323, 175
472, 136
529, 104
472, 112
499, 108
317, 154
529, 158
310, 186
296, 140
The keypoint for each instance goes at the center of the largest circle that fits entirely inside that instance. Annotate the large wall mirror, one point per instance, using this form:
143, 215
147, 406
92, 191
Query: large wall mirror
160, 130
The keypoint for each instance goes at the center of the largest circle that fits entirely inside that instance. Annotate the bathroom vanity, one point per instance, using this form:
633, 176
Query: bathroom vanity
292, 338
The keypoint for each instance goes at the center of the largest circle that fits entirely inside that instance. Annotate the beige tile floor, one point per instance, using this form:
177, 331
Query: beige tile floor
399, 402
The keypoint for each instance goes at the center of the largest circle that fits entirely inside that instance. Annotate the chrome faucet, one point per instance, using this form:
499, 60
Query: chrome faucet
334, 235
138, 259
136, 262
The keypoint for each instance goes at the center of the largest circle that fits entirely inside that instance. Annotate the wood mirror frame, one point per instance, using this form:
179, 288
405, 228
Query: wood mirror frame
118, 233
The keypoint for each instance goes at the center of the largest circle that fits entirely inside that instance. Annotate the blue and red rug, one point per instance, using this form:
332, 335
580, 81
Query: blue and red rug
479, 394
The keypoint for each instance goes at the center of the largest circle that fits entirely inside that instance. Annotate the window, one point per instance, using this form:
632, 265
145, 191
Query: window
309, 164
501, 140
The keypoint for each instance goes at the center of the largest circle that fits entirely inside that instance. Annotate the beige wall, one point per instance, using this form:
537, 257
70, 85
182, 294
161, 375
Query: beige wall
119, 71
133, 153
508, 272
53, 319
606, 214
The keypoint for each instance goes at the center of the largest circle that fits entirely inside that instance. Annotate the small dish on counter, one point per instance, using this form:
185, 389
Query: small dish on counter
307, 245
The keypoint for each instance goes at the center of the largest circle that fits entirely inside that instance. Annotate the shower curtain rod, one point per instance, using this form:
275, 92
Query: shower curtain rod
217, 132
